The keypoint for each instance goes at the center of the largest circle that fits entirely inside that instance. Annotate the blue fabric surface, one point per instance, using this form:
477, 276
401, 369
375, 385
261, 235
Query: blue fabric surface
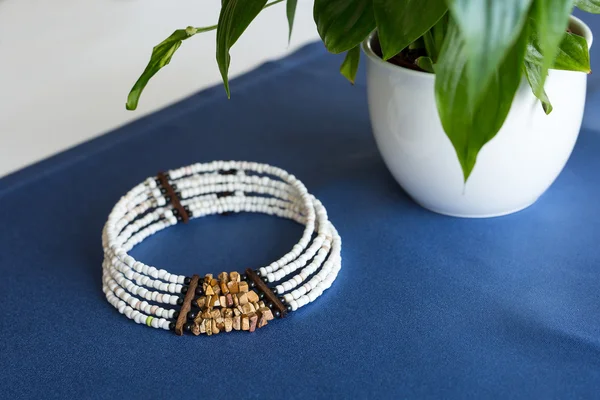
425, 305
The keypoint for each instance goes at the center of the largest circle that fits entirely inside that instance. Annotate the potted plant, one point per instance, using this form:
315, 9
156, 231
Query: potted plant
445, 77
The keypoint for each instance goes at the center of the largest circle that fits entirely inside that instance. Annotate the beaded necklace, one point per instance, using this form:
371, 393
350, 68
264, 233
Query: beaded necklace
231, 301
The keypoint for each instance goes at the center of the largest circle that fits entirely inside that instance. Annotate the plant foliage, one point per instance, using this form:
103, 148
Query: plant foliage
479, 51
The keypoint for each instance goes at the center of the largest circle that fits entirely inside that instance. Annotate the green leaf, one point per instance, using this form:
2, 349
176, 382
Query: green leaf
291, 14
235, 17
343, 24
425, 64
434, 38
533, 72
161, 56
349, 67
550, 19
400, 22
591, 6
573, 54
489, 28
469, 129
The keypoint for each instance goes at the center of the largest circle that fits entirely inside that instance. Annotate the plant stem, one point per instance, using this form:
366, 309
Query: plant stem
205, 29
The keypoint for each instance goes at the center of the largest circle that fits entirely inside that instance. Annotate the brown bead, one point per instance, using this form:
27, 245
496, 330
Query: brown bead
227, 313
201, 301
243, 287
234, 276
208, 325
262, 321
208, 278
247, 308
207, 301
245, 322
234, 287
228, 324
214, 282
266, 313
236, 312
252, 296
196, 329
222, 301
224, 277
224, 288
253, 321
215, 314
203, 326
242, 298
215, 328
229, 300
209, 290
237, 322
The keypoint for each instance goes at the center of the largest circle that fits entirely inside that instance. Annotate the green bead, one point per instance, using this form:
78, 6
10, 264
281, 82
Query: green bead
149, 320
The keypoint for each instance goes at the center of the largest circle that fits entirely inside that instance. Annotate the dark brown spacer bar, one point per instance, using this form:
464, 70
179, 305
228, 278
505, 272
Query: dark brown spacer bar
260, 285
164, 182
187, 305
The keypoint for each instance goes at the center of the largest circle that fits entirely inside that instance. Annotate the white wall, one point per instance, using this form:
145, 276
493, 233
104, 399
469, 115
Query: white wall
67, 65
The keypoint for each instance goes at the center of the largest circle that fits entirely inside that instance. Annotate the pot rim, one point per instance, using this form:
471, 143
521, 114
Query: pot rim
367, 49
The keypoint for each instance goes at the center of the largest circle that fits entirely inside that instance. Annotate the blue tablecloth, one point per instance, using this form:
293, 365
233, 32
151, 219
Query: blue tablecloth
425, 305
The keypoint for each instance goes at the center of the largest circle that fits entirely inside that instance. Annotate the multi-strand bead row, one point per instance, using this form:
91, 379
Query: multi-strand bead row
152, 296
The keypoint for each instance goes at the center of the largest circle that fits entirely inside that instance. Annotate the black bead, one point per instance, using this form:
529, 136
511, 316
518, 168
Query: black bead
270, 305
289, 308
176, 314
252, 285
190, 214
167, 199
261, 295
176, 212
167, 176
282, 299
179, 218
265, 279
277, 314
184, 290
187, 280
274, 290
172, 326
163, 190
199, 291
178, 194
157, 181
180, 301
186, 208
188, 326
244, 277
174, 186
192, 315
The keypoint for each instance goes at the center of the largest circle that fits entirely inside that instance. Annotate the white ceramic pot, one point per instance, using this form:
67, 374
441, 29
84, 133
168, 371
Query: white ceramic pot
513, 170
